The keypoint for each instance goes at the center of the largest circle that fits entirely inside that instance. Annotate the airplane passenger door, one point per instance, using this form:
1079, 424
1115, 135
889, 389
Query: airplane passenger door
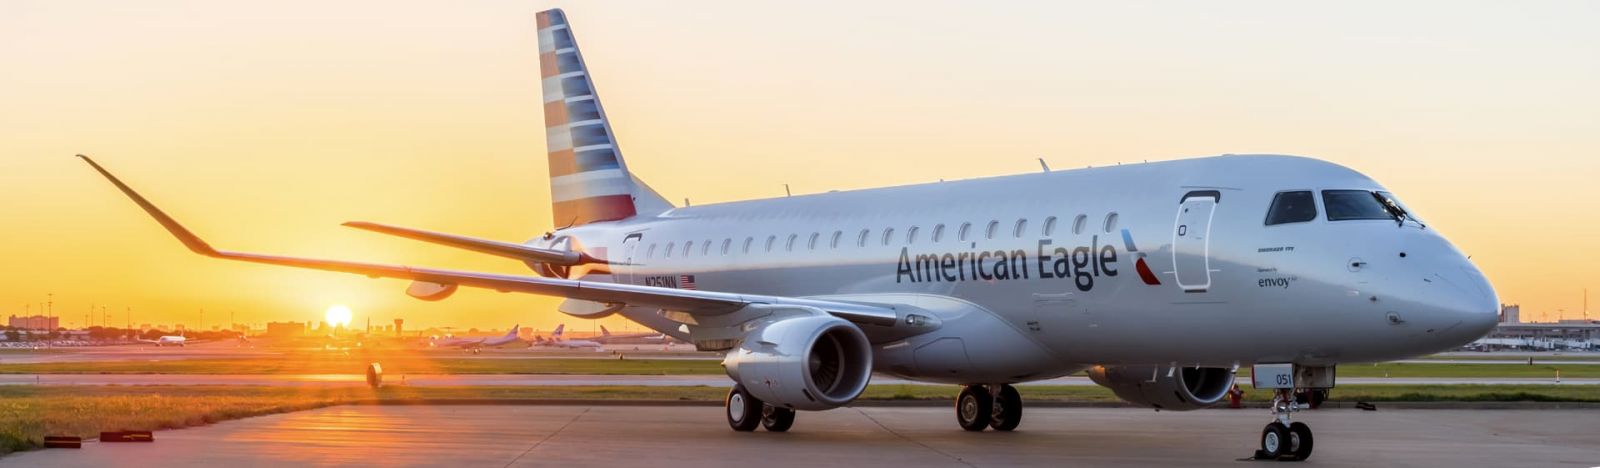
1191, 240
630, 247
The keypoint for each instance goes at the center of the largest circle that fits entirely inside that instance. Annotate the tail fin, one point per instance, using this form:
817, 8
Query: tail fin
557, 333
604, 331
589, 181
513, 332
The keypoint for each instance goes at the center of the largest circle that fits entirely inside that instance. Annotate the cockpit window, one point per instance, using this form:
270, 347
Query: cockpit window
1355, 204
1292, 207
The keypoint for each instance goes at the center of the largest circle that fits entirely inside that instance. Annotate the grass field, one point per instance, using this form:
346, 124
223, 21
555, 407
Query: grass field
395, 365
406, 364
1394, 369
1524, 358
27, 413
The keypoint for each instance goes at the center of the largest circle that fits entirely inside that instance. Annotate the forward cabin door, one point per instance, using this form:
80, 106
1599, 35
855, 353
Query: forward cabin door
1191, 240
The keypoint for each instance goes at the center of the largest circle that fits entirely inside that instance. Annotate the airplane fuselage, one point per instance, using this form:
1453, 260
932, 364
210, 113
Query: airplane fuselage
1049, 262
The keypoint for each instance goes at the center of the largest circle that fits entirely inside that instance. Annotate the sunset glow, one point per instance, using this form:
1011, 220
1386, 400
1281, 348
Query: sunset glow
263, 126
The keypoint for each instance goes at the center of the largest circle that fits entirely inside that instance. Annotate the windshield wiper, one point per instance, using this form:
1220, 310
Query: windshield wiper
1394, 209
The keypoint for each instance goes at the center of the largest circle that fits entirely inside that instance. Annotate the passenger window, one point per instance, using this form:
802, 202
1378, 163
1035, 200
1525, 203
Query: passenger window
668, 252
862, 241
1079, 223
888, 233
771, 240
688, 247
1021, 224
789, 246
726, 243
1050, 226
835, 242
705, 249
651, 252
1353, 204
961, 234
938, 232
747, 242
812, 244
989, 233
1292, 207
1111, 222
911, 235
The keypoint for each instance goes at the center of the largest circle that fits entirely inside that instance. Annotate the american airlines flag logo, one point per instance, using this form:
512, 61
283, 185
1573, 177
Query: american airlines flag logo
686, 281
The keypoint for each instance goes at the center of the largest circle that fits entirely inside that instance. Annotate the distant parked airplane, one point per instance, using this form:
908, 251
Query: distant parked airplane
606, 337
476, 345
168, 340
557, 341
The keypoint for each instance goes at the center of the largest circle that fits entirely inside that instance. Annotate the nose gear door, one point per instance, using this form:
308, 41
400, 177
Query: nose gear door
1191, 240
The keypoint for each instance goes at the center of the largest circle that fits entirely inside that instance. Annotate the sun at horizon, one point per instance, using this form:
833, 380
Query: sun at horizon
338, 315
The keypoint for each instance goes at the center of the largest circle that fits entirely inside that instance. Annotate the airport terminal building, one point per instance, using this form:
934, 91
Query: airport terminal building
1510, 334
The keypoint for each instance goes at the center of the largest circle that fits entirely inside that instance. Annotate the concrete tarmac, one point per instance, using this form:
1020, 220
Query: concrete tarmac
503, 436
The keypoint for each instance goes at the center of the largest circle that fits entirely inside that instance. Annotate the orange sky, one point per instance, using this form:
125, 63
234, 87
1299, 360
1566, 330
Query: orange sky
263, 126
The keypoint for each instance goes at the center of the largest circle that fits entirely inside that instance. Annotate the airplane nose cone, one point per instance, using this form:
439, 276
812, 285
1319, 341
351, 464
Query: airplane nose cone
1472, 303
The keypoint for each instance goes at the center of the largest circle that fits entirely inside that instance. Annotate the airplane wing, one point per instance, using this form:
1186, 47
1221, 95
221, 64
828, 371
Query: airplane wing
689, 301
491, 247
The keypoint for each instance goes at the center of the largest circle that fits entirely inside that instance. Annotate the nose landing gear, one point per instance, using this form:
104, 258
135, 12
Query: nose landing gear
1282, 439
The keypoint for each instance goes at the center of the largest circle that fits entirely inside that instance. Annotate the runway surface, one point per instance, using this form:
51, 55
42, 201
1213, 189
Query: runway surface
452, 380
921, 437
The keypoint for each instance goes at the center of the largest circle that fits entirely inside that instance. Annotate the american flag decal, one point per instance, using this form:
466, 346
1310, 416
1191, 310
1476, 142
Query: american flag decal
686, 281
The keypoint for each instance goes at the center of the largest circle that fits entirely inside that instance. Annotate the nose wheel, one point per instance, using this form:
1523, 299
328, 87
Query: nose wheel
1282, 439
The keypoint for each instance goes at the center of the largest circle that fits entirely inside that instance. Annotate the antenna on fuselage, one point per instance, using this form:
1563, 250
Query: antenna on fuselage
686, 201
1044, 166
786, 191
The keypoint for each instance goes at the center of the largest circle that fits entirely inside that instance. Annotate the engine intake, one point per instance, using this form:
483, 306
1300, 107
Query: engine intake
811, 363
1185, 389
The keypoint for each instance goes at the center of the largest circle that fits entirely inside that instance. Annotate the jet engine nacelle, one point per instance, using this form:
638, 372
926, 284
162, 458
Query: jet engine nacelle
1160, 387
813, 362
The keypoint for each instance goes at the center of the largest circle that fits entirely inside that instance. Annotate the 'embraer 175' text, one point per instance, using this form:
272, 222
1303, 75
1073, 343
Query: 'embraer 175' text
1081, 264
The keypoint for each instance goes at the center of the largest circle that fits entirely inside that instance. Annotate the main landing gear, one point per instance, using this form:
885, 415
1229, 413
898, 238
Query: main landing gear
1282, 439
988, 406
745, 412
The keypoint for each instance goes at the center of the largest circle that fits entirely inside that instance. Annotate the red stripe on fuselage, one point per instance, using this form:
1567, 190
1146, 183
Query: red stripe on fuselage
1145, 273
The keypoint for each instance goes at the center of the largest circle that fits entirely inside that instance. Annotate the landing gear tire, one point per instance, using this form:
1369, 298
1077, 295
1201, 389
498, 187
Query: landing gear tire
776, 419
1274, 441
743, 410
974, 407
1007, 413
1300, 443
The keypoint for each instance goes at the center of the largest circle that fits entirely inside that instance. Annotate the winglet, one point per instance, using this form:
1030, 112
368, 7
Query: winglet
189, 240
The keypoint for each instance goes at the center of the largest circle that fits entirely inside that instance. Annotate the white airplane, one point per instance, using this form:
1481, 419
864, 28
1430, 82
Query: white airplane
1159, 279
476, 345
606, 337
167, 340
557, 341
